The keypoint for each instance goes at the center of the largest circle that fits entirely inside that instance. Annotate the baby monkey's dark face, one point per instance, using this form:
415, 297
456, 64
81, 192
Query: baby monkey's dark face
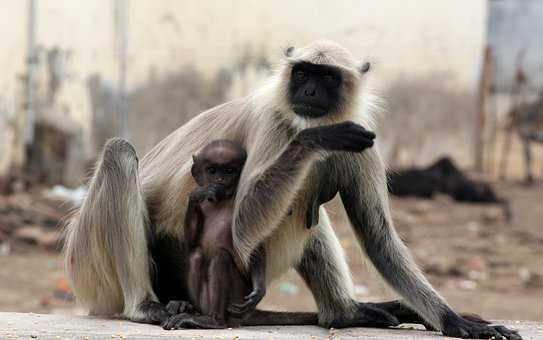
218, 168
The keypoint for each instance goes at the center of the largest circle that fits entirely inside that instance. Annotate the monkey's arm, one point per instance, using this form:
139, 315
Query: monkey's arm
194, 217
257, 271
365, 197
265, 195
264, 198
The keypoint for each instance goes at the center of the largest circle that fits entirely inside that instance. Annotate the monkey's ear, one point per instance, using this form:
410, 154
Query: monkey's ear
288, 52
364, 68
195, 171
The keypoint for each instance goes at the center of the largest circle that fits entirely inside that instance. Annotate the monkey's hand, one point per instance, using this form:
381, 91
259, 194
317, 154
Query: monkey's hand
239, 310
346, 136
198, 195
215, 192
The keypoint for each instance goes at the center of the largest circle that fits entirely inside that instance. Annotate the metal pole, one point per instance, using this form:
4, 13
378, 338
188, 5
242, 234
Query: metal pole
30, 64
484, 86
121, 31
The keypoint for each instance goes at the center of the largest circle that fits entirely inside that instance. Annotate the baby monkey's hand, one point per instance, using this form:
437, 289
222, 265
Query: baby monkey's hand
198, 195
215, 192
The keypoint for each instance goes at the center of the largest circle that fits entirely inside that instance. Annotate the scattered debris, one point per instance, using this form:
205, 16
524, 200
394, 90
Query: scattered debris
475, 263
491, 215
5, 249
421, 208
63, 291
473, 227
528, 237
467, 284
27, 219
438, 270
530, 279
38, 235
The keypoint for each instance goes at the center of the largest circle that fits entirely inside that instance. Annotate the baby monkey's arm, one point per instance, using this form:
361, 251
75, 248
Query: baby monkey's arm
194, 218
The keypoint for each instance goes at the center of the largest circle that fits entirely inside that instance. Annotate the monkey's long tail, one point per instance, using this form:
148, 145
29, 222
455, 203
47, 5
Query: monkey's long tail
272, 318
106, 247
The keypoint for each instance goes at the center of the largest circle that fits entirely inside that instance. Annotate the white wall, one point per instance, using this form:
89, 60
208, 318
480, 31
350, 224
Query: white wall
404, 39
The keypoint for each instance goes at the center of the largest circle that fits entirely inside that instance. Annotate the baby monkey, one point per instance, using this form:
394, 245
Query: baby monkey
218, 288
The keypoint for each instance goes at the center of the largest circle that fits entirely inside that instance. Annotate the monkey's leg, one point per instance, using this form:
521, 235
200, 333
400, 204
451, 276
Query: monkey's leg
211, 292
196, 278
106, 247
331, 284
221, 272
365, 197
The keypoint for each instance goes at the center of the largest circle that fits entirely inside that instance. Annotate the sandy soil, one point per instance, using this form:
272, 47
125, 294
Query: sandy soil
474, 258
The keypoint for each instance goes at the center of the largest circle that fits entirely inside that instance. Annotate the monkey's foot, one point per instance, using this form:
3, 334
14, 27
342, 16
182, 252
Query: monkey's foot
190, 321
404, 314
460, 327
365, 315
179, 306
152, 312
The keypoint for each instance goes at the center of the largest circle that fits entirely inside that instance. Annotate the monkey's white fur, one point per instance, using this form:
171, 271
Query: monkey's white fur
105, 246
107, 256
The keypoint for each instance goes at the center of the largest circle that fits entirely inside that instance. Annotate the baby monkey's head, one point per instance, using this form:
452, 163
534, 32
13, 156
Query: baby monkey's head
218, 167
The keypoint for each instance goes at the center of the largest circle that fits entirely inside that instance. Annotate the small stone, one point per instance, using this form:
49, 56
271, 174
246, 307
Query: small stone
421, 208
38, 235
492, 215
473, 227
468, 284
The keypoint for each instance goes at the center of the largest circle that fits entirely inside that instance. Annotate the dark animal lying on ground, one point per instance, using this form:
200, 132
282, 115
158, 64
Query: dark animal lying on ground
444, 177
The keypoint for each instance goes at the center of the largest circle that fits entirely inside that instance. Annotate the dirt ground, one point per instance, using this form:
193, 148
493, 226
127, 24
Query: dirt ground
476, 260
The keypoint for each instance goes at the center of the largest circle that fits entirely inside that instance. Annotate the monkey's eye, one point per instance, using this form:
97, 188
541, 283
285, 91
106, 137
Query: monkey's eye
212, 170
300, 75
228, 171
329, 78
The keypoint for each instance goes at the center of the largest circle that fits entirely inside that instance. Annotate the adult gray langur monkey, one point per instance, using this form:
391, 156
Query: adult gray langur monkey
124, 248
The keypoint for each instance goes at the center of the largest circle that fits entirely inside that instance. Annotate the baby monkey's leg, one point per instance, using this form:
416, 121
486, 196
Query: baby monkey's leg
221, 283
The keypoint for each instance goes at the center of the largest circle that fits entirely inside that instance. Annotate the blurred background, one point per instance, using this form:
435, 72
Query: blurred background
459, 79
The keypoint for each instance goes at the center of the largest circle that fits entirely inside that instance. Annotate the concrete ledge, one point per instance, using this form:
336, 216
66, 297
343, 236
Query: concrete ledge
49, 326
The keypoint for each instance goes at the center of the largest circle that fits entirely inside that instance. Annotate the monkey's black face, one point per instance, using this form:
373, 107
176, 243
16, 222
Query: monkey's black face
218, 168
314, 90
226, 175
